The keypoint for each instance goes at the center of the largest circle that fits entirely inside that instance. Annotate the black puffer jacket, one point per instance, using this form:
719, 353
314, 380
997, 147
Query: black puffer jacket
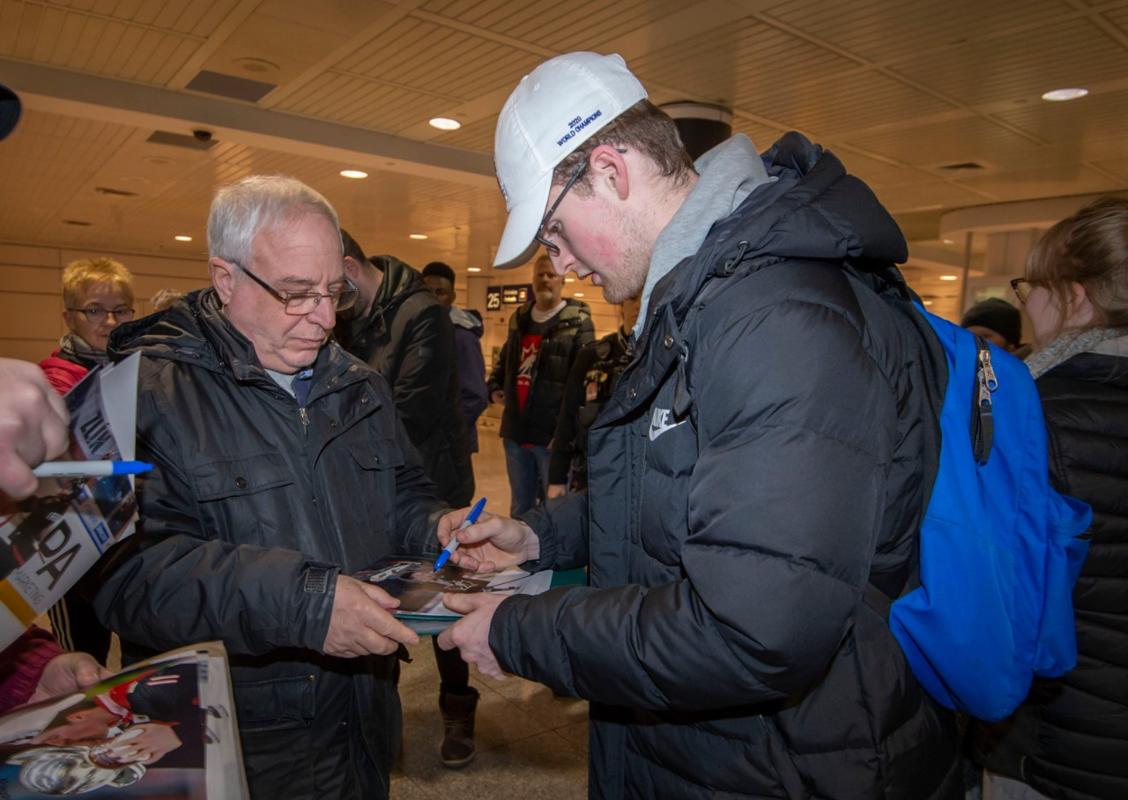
409, 339
253, 509
567, 332
1069, 740
768, 451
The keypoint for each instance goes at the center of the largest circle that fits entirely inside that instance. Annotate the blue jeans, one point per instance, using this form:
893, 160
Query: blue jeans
528, 475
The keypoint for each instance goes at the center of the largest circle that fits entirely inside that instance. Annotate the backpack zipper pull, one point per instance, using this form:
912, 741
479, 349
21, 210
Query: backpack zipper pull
987, 369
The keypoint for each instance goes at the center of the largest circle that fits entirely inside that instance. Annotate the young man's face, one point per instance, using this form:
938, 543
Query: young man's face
441, 288
595, 236
101, 307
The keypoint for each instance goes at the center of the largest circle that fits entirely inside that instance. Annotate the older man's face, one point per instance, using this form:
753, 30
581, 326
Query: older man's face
299, 255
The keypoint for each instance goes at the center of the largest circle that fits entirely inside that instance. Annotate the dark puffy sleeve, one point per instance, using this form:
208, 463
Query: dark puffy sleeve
423, 377
784, 506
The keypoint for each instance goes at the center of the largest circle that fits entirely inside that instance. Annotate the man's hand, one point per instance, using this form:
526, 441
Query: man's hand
556, 490
362, 622
497, 396
33, 425
68, 673
471, 634
492, 543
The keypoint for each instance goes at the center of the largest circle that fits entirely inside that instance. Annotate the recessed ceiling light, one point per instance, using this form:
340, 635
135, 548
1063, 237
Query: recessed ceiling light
445, 123
419, 236
473, 269
949, 241
355, 174
1061, 95
928, 302
180, 237
577, 294
569, 280
949, 277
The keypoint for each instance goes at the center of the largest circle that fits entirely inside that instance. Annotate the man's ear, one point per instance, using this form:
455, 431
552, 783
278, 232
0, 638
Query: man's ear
222, 278
352, 269
607, 164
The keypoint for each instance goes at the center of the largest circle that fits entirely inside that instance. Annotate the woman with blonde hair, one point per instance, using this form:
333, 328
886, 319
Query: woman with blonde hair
1069, 739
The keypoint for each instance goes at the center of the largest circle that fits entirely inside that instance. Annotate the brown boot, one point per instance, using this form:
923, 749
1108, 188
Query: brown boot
458, 727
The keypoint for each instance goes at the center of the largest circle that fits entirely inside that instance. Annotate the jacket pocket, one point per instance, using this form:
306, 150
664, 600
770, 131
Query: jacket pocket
276, 704
244, 498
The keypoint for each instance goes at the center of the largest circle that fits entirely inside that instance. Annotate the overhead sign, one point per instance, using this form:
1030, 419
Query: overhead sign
510, 295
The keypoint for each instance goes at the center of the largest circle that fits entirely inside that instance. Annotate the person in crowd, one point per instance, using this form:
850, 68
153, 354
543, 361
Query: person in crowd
545, 337
766, 455
590, 384
1069, 739
163, 298
997, 321
280, 468
473, 393
404, 333
98, 297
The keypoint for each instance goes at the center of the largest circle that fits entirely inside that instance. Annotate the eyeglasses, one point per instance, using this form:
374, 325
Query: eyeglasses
542, 235
1022, 288
299, 304
97, 314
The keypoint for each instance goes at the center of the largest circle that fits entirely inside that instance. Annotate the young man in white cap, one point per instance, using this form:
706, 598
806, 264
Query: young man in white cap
767, 453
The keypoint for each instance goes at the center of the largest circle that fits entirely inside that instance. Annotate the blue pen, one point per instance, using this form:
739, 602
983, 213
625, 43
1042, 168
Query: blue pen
89, 469
452, 545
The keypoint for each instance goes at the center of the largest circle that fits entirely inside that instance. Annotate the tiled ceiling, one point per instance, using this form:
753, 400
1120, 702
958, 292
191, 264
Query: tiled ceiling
898, 88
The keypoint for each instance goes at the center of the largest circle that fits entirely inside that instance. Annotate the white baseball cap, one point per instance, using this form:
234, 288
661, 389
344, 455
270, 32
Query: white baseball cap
554, 109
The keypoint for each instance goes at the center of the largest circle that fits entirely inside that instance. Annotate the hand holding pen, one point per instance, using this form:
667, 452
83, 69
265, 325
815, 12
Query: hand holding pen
491, 544
452, 545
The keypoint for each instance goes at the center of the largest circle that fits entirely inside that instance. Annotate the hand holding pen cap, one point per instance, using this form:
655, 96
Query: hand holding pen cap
452, 545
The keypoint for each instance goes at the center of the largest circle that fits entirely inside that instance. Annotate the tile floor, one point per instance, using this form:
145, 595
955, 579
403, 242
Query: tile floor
530, 743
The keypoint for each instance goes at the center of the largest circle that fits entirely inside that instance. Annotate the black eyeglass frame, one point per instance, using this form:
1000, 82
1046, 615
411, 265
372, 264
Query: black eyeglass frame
552, 248
1021, 288
286, 298
122, 313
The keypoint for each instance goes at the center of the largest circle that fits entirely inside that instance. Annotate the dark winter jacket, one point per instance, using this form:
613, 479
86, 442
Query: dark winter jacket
473, 394
768, 452
254, 507
593, 378
409, 339
1069, 739
566, 333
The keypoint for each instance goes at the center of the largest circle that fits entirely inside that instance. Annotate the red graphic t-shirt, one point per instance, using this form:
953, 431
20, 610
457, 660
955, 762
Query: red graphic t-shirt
530, 348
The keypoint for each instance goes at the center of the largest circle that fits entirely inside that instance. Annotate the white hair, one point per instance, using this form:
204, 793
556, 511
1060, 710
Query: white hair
241, 210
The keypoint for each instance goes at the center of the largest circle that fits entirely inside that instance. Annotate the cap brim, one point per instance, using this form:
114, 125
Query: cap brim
517, 243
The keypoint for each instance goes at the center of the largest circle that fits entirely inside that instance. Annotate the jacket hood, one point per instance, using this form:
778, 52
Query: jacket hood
400, 281
468, 319
812, 210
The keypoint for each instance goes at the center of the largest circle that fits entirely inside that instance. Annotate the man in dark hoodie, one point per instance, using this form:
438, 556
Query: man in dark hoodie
766, 455
406, 335
473, 394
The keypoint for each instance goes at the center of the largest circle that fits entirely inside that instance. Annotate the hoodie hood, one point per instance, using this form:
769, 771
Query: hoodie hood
400, 281
811, 209
467, 319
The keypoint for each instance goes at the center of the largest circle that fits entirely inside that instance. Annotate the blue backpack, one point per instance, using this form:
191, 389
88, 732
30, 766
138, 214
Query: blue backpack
999, 547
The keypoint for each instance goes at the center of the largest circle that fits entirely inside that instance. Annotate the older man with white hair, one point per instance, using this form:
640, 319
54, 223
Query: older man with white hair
281, 468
